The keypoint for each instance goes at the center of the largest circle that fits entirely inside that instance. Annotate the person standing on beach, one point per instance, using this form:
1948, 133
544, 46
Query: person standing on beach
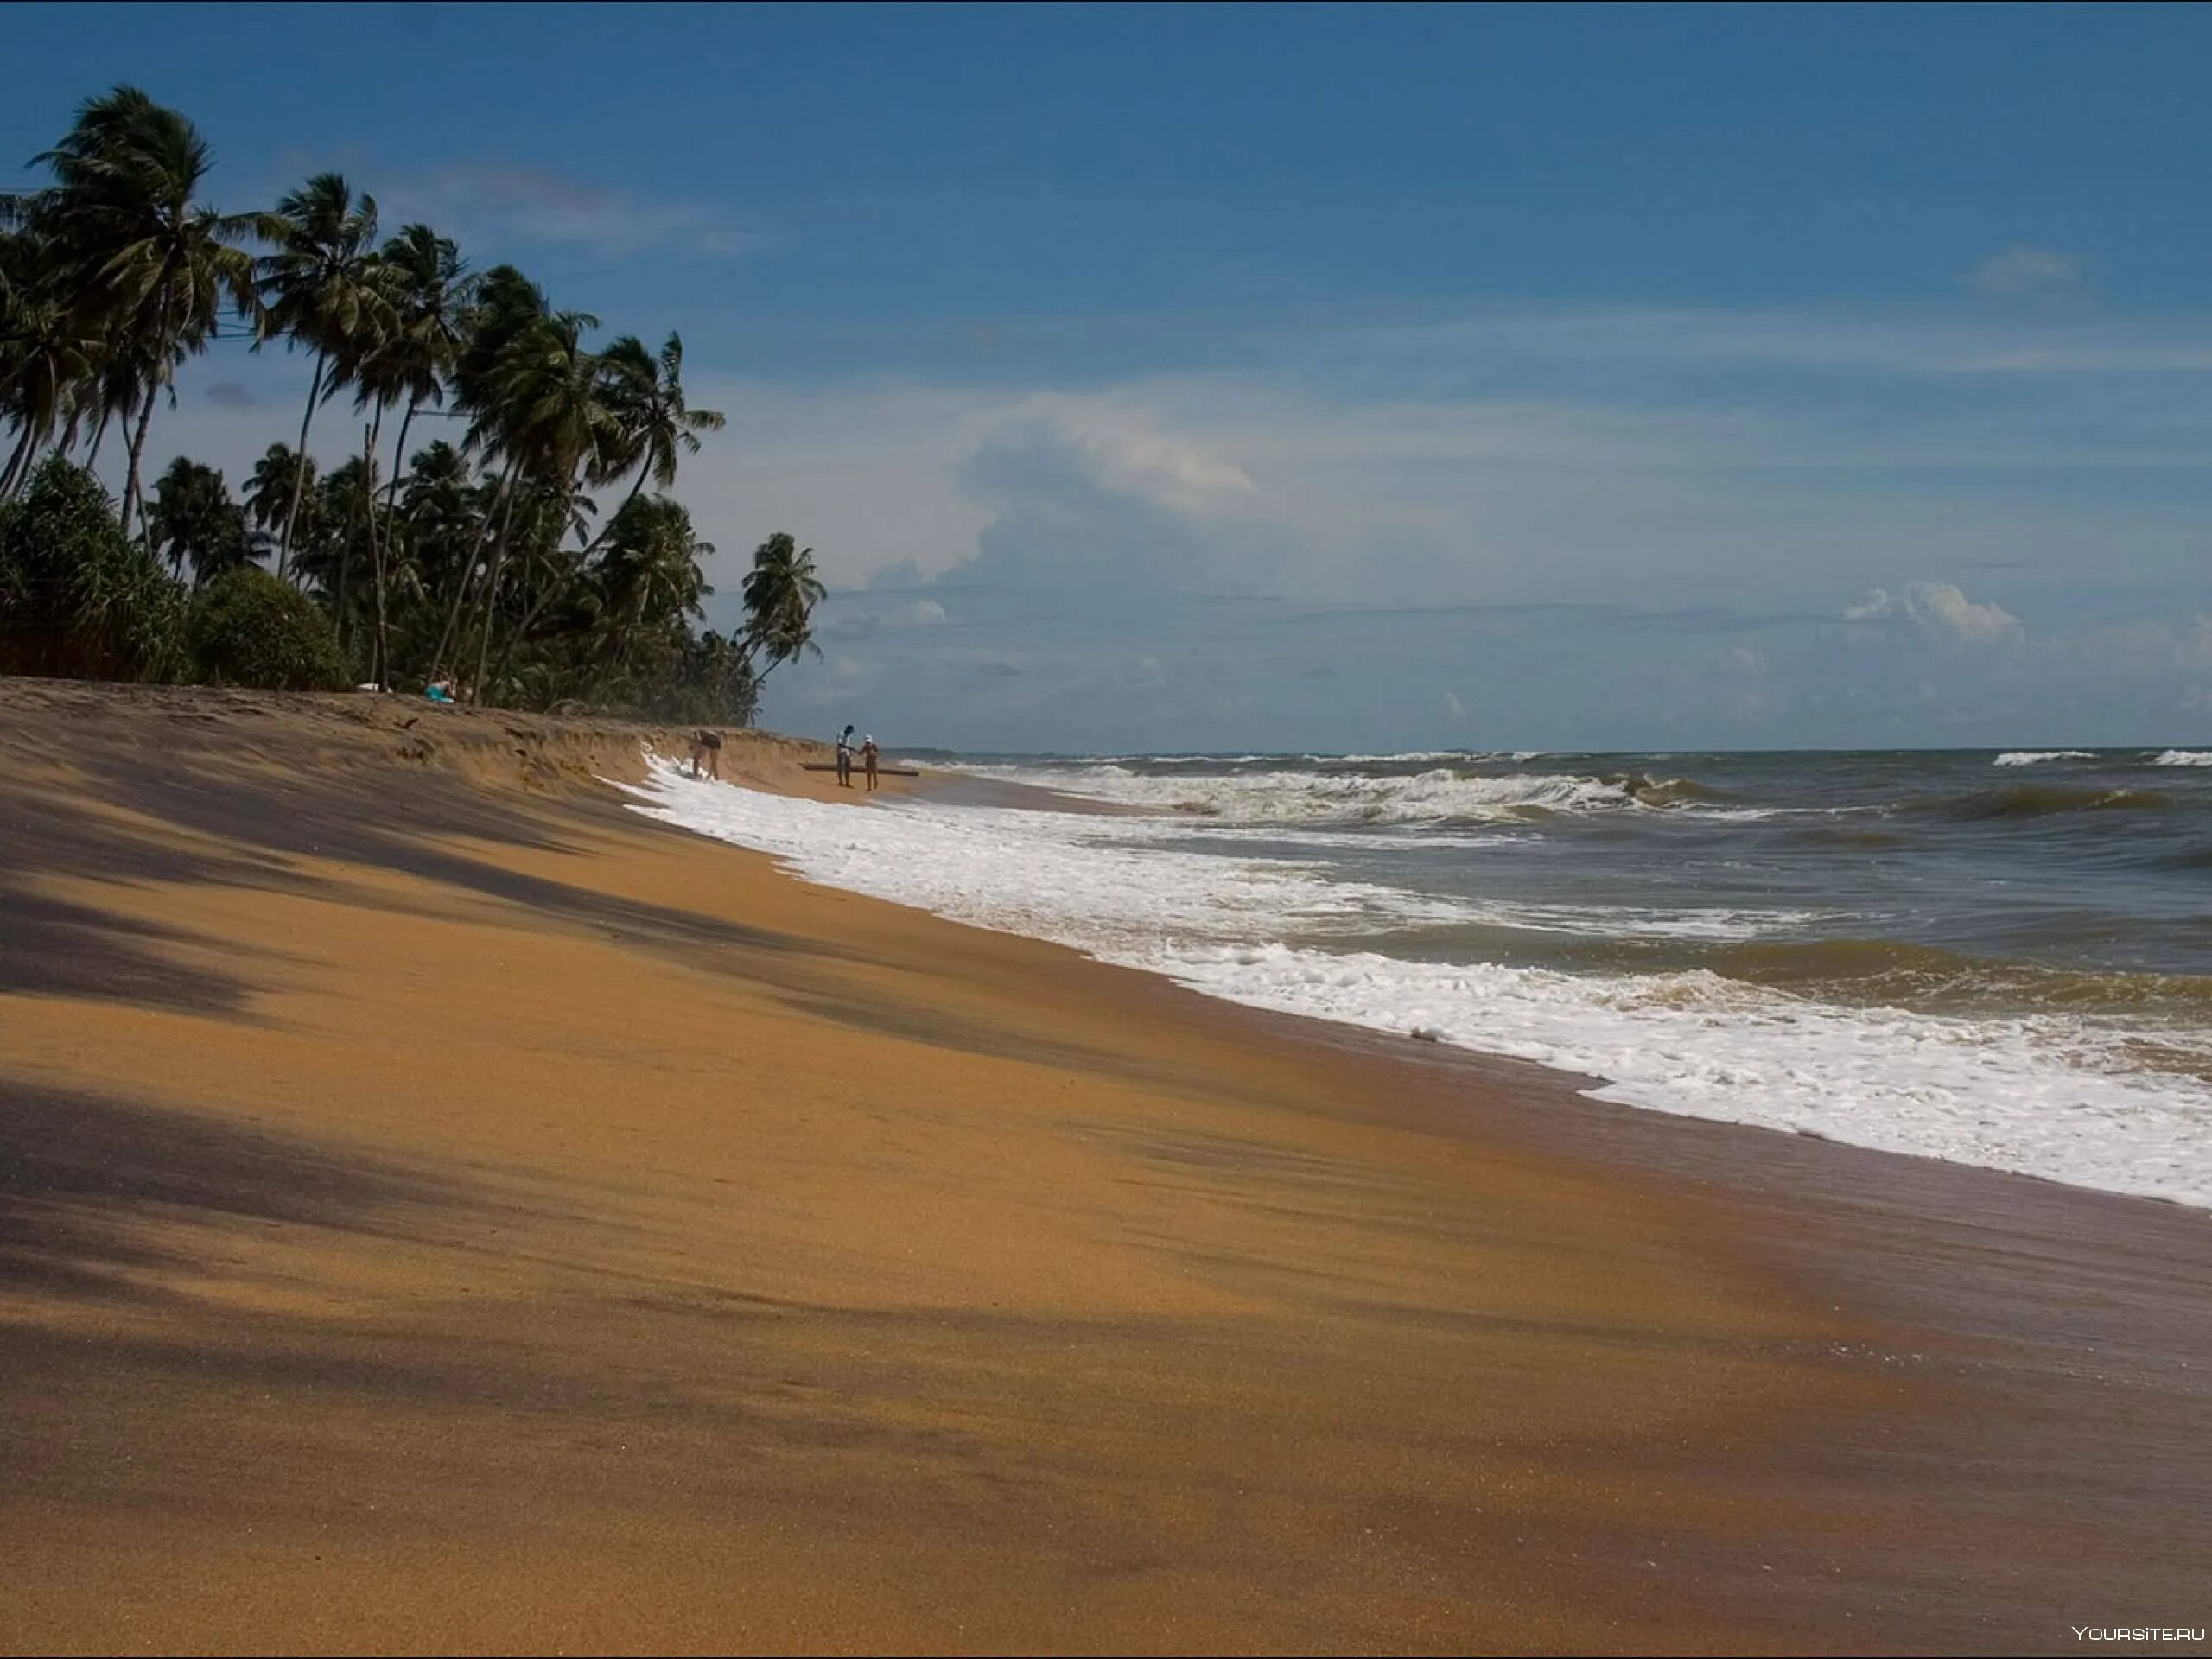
869, 753
845, 759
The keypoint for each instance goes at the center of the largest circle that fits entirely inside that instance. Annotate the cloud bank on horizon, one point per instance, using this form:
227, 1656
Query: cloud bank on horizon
1107, 445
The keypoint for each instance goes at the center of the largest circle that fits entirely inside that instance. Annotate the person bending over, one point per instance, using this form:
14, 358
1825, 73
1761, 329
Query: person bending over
707, 747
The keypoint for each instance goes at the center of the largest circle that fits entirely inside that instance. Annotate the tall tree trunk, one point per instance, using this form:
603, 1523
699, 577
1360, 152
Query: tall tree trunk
488, 602
338, 598
137, 449
376, 547
390, 500
99, 433
300, 469
460, 582
398, 454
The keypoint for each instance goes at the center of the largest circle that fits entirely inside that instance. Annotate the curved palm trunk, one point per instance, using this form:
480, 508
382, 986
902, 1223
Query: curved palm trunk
488, 601
300, 469
137, 449
376, 547
382, 675
338, 600
99, 433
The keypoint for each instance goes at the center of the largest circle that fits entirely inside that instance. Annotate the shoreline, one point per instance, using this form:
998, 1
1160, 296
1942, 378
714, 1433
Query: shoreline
1059, 1305
2159, 1162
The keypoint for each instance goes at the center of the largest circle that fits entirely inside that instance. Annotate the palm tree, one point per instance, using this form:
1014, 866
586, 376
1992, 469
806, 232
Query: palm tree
46, 357
344, 505
442, 511
427, 291
147, 267
542, 405
507, 301
650, 572
280, 475
319, 290
194, 521
430, 291
644, 394
781, 591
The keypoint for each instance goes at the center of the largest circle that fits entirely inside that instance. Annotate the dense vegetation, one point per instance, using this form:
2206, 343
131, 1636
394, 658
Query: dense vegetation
536, 563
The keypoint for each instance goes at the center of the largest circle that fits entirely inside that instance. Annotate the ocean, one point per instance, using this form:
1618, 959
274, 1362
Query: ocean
2002, 959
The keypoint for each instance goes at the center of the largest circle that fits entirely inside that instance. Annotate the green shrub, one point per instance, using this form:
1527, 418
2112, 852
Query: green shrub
248, 628
78, 597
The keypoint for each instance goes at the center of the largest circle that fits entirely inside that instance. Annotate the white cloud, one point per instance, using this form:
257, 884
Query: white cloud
1939, 608
1454, 710
494, 200
1125, 448
1876, 606
2022, 270
1742, 659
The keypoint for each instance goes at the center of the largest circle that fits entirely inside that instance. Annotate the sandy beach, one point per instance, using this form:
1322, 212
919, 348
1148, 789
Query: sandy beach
443, 1210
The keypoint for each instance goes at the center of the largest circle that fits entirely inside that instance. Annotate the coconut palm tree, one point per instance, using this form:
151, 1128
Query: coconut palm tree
319, 289
427, 291
542, 403
46, 357
644, 394
441, 515
194, 521
281, 474
146, 266
650, 572
507, 301
338, 543
781, 591
430, 291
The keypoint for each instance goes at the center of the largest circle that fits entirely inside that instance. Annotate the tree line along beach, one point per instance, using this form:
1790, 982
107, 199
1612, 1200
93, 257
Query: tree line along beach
533, 559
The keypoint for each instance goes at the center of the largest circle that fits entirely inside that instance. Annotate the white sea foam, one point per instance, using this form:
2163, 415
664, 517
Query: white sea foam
1297, 798
2184, 758
2033, 757
2043, 1096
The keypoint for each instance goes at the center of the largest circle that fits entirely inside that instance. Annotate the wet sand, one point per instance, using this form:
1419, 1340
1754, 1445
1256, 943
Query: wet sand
442, 1210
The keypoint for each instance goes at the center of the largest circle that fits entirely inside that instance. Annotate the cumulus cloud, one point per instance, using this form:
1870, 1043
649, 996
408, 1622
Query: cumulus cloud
1123, 450
1940, 609
2022, 271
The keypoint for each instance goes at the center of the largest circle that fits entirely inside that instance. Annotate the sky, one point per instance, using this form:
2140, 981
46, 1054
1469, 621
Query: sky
1332, 378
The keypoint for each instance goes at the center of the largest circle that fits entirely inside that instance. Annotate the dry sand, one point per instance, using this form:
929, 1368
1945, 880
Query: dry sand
442, 1210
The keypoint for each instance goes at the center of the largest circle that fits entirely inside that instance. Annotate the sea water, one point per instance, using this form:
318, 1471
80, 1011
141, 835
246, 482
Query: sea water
1997, 958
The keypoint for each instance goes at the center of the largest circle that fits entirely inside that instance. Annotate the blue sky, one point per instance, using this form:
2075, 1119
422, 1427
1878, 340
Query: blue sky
1331, 378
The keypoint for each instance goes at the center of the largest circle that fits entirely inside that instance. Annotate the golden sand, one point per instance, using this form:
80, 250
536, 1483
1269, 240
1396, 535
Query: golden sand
445, 1211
